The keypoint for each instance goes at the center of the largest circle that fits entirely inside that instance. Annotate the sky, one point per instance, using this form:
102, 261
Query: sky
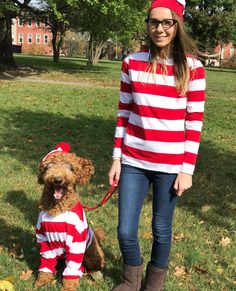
32, 2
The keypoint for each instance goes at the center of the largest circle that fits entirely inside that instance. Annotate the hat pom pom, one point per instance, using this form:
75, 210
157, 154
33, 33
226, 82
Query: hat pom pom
65, 147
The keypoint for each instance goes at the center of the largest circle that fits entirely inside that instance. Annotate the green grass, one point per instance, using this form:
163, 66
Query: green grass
35, 116
105, 73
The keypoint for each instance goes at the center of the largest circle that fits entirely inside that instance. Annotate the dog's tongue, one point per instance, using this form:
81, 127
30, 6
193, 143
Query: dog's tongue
58, 192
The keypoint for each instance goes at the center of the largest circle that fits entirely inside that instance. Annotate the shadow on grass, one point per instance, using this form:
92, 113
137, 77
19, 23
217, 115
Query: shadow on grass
214, 184
28, 207
34, 66
17, 236
111, 272
31, 135
36, 133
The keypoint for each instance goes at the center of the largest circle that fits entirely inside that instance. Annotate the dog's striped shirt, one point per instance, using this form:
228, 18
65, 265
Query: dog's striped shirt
63, 236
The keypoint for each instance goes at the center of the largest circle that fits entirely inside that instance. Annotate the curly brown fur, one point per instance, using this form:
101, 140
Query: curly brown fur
59, 174
70, 284
43, 279
62, 171
94, 257
100, 234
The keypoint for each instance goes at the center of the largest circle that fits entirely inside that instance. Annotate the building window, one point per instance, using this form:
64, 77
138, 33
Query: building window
231, 52
20, 21
222, 53
38, 24
45, 38
29, 38
29, 22
20, 38
38, 38
45, 23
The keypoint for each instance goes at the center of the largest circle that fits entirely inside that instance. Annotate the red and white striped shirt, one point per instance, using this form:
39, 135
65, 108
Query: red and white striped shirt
63, 236
158, 129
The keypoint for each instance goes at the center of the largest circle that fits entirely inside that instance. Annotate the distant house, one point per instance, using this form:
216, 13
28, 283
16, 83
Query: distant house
224, 55
227, 51
34, 37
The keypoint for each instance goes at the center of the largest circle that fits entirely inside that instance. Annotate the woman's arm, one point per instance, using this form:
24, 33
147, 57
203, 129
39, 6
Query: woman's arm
125, 108
194, 116
193, 126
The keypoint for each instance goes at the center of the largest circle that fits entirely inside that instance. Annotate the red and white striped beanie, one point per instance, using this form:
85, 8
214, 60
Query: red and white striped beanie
175, 5
61, 147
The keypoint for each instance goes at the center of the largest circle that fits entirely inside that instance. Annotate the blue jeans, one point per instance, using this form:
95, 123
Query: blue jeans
133, 188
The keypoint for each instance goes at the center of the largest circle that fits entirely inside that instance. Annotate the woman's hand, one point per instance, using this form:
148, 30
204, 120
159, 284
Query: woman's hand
183, 182
114, 173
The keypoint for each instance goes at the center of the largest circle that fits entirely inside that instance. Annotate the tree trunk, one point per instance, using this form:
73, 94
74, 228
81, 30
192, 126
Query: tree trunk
90, 52
6, 54
56, 49
95, 50
97, 53
58, 34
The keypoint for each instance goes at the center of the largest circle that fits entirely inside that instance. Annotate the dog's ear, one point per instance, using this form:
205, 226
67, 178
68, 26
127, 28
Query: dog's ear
85, 171
40, 173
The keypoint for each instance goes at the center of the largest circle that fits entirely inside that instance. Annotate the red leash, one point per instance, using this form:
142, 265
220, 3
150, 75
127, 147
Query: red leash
107, 196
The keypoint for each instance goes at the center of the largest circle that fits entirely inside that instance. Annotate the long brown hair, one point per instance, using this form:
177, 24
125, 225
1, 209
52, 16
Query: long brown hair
182, 46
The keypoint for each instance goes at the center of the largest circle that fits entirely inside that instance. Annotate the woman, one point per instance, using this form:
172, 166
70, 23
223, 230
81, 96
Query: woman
157, 138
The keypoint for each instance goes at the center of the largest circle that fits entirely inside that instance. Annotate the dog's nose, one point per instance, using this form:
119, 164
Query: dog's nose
57, 180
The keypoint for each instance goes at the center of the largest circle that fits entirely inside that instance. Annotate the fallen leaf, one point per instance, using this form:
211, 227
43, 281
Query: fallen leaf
234, 283
6, 285
21, 254
200, 270
212, 282
178, 237
220, 270
225, 241
25, 275
13, 252
54, 282
208, 242
16, 252
180, 284
180, 271
178, 255
146, 235
206, 208
1, 248
96, 276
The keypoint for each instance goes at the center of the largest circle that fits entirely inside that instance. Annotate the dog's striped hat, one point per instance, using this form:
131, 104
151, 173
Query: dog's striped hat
61, 147
175, 5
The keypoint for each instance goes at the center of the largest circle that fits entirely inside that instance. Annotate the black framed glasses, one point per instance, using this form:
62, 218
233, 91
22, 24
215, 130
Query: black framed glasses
153, 23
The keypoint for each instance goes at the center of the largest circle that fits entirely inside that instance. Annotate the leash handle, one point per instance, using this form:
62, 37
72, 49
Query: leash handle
106, 197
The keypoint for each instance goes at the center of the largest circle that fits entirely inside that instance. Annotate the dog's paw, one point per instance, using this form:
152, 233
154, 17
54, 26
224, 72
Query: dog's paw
70, 284
43, 279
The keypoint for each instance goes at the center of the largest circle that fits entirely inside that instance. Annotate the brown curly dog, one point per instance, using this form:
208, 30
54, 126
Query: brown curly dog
62, 230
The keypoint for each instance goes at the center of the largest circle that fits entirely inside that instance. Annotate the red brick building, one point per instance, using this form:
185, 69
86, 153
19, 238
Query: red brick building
34, 36
227, 51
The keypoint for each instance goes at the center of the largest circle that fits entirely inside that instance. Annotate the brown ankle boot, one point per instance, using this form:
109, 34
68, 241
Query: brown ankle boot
154, 279
132, 276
